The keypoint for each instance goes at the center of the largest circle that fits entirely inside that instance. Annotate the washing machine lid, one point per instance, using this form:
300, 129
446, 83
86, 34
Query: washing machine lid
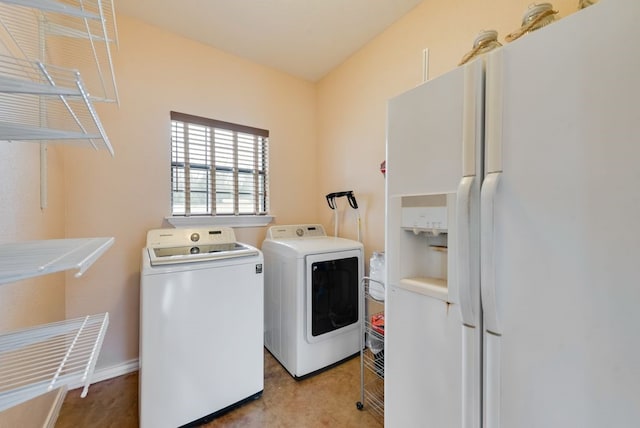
170, 246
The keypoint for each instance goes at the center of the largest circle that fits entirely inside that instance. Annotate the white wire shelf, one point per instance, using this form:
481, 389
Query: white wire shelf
42, 102
39, 359
53, 6
81, 32
34, 258
18, 75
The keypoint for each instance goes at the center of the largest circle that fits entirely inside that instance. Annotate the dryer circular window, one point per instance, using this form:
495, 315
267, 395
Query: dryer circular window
313, 297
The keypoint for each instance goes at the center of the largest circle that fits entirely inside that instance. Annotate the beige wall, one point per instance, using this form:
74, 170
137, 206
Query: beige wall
325, 137
129, 194
36, 300
352, 98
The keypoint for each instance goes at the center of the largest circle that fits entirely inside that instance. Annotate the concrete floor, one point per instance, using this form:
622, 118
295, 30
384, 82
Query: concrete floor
327, 399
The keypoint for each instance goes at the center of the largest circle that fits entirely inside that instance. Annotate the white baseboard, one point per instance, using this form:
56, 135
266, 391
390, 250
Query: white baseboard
114, 371
106, 373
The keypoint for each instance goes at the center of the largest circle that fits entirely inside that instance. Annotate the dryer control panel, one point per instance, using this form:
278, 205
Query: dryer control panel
293, 231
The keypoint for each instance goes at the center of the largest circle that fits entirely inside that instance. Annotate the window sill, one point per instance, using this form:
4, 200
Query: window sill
231, 221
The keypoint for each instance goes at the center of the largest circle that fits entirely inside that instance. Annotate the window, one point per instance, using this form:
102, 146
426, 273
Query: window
217, 168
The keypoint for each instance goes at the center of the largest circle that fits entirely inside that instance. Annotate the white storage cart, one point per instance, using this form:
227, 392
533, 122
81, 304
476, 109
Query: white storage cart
372, 351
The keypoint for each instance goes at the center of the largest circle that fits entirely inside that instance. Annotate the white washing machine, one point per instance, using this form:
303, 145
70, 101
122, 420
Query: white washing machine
201, 325
313, 297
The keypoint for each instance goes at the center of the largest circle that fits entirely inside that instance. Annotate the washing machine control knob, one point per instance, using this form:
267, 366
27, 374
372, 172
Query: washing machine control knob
195, 237
299, 231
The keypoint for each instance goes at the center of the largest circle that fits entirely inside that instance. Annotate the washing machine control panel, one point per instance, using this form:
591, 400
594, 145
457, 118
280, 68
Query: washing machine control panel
293, 231
163, 238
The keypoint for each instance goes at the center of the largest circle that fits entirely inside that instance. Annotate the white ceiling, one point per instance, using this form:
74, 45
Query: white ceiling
305, 38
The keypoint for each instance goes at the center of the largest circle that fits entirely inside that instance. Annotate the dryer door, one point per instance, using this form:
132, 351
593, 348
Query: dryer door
333, 293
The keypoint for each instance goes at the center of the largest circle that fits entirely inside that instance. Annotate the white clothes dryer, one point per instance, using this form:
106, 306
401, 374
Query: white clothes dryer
313, 297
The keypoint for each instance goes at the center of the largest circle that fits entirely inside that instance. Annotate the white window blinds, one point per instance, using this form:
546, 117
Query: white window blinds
217, 168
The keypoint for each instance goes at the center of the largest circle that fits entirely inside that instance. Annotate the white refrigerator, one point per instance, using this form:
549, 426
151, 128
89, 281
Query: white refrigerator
512, 235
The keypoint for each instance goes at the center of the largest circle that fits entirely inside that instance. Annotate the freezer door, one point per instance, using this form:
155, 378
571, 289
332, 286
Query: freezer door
423, 360
424, 136
433, 315
562, 346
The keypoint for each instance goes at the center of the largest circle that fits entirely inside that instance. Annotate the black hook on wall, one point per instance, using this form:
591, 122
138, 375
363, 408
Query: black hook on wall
331, 199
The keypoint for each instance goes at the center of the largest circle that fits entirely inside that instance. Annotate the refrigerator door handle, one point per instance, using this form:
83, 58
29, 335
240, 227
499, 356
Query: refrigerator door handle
487, 253
463, 243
